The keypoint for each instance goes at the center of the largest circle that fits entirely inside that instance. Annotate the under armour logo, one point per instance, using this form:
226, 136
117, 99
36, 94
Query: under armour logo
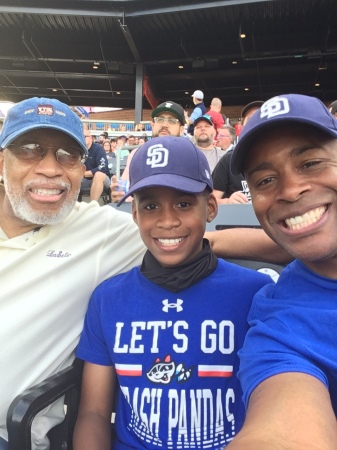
276, 106
157, 156
168, 305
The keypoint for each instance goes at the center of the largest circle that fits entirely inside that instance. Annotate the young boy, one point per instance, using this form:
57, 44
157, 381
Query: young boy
170, 330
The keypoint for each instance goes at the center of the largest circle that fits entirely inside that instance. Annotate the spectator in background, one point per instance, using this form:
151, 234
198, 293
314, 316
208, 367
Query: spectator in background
121, 141
226, 138
142, 140
215, 113
204, 135
230, 188
113, 144
122, 127
102, 137
130, 140
107, 146
238, 128
140, 127
199, 110
96, 175
249, 110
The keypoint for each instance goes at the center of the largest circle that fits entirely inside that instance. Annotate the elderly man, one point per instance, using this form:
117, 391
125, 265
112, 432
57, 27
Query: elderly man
288, 154
204, 135
53, 251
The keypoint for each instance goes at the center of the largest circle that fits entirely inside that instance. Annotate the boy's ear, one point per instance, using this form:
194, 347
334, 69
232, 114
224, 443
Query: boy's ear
212, 206
134, 212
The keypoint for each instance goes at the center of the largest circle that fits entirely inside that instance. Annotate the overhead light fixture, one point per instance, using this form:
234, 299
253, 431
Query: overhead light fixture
317, 84
96, 63
323, 65
186, 92
234, 62
242, 35
246, 89
180, 67
118, 93
95, 67
54, 90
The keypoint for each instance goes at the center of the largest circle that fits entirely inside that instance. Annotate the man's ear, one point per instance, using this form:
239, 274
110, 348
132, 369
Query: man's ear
134, 212
212, 206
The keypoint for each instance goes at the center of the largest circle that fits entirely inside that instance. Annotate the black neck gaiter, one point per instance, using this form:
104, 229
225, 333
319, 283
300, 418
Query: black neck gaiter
181, 277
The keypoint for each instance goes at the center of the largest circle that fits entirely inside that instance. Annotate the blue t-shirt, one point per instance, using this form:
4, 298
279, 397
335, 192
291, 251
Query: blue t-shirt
293, 329
175, 356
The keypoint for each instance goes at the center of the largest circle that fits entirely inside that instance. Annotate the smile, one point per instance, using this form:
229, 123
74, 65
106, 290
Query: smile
310, 217
46, 191
169, 242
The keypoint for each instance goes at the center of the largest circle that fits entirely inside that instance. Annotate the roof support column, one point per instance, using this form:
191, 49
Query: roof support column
139, 92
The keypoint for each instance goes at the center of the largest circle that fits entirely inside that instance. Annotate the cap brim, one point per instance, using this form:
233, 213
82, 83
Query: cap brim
39, 126
245, 141
177, 182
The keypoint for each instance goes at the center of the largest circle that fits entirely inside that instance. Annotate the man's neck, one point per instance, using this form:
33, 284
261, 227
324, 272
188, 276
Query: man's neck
203, 146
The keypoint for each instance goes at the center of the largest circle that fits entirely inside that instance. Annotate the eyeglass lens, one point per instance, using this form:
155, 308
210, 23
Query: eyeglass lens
35, 152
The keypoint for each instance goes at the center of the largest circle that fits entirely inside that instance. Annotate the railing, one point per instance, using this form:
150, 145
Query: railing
116, 127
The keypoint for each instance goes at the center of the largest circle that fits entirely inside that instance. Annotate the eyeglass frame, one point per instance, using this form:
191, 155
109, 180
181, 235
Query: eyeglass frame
82, 157
161, 119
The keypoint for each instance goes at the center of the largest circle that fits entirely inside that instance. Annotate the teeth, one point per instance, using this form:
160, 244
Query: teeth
310, 217
46, 191
169, 242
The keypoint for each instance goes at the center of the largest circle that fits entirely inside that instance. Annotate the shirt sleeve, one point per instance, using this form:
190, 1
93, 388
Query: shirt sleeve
92, 346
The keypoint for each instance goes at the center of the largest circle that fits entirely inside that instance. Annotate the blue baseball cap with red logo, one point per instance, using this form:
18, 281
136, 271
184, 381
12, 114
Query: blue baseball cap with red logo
36, 113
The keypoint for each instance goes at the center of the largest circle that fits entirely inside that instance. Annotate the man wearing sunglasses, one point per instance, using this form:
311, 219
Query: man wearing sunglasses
53, 250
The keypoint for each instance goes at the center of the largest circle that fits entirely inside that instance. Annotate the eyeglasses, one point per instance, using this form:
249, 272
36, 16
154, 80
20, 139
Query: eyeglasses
223, 136
31, 152
169, 120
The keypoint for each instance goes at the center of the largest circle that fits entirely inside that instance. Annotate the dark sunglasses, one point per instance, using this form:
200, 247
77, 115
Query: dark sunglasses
32, 152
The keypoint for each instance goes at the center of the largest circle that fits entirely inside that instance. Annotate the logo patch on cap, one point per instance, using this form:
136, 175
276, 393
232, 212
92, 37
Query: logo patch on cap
276, 106
45, 110
157, 156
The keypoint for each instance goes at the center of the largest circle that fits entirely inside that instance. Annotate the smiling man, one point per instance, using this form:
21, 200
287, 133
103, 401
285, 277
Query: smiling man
288, 154
53, 250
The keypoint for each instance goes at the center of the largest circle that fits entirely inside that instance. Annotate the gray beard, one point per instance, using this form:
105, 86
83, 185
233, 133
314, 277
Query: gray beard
23, 211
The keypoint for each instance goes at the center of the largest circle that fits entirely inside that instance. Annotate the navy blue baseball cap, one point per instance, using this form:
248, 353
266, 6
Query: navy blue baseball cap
36, 113
168, 161
291, 108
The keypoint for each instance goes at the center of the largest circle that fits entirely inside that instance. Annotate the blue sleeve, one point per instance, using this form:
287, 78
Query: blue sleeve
275, 343
197, 112
92, 346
